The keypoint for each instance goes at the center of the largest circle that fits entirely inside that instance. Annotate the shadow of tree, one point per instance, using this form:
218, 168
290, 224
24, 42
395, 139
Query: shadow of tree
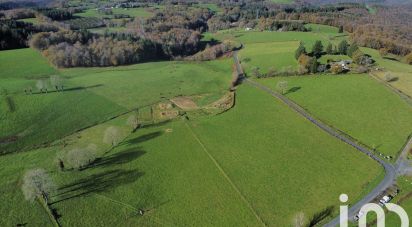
156, 124
69, 89
318, 217
293, 89
118, 158
96, 183
144, 137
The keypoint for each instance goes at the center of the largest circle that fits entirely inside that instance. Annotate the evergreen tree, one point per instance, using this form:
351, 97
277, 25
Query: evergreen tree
314, 65
352, 49
301, 50
317, 49
343, 47
329, 49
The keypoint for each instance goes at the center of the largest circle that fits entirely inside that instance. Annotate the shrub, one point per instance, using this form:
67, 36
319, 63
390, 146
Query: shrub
408, 59
361, 69
336, 69
389, 77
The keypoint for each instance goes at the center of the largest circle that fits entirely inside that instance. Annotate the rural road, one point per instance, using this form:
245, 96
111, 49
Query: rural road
390, 170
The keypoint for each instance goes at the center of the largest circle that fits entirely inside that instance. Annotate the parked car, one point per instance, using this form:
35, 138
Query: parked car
359, 215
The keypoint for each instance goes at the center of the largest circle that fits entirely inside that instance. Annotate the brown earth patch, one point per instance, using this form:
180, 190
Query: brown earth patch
184, 103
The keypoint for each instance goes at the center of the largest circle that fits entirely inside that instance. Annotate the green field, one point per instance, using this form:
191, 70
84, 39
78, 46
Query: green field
402, 71
319, 28
355, 104
211, 171
325, 34
93, 94
30, 20
23, 63
258, 163
275, 55
282, 1
133, 12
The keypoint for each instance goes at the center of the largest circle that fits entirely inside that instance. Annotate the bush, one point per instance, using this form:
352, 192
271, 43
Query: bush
361, 69
336, 69
389, 77
408, 59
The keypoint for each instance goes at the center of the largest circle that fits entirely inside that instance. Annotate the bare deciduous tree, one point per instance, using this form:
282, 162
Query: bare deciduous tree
37, 184
81, 157
112, 136
56, 82
41, 85
282, 87
133, 122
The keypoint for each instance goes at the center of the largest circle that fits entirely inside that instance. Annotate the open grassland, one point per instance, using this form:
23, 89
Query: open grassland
275, 55
213, 7
143, 84
231, 169
30, 20
23, 63
93, 95
133, 12
325, 34
268, 150
402, 71
356, 105
282, 1
319, 28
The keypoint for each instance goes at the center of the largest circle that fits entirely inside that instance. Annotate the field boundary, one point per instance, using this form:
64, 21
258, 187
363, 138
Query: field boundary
225, 175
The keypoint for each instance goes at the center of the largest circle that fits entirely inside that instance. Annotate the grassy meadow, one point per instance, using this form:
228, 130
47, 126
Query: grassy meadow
215, 171
355, 104
402, 71
92, 95
133, 12
276, 55
257, 163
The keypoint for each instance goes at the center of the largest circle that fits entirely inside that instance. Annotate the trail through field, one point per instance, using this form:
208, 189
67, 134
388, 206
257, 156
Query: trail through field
225, 175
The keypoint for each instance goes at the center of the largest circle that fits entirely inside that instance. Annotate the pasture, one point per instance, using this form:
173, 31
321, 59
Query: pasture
326, 34
402, 71
228, 169
93, 95
132, 12
266, 56
24, 63
356, 105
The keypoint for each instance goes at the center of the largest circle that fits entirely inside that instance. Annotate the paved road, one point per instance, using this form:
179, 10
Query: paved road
390, 170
